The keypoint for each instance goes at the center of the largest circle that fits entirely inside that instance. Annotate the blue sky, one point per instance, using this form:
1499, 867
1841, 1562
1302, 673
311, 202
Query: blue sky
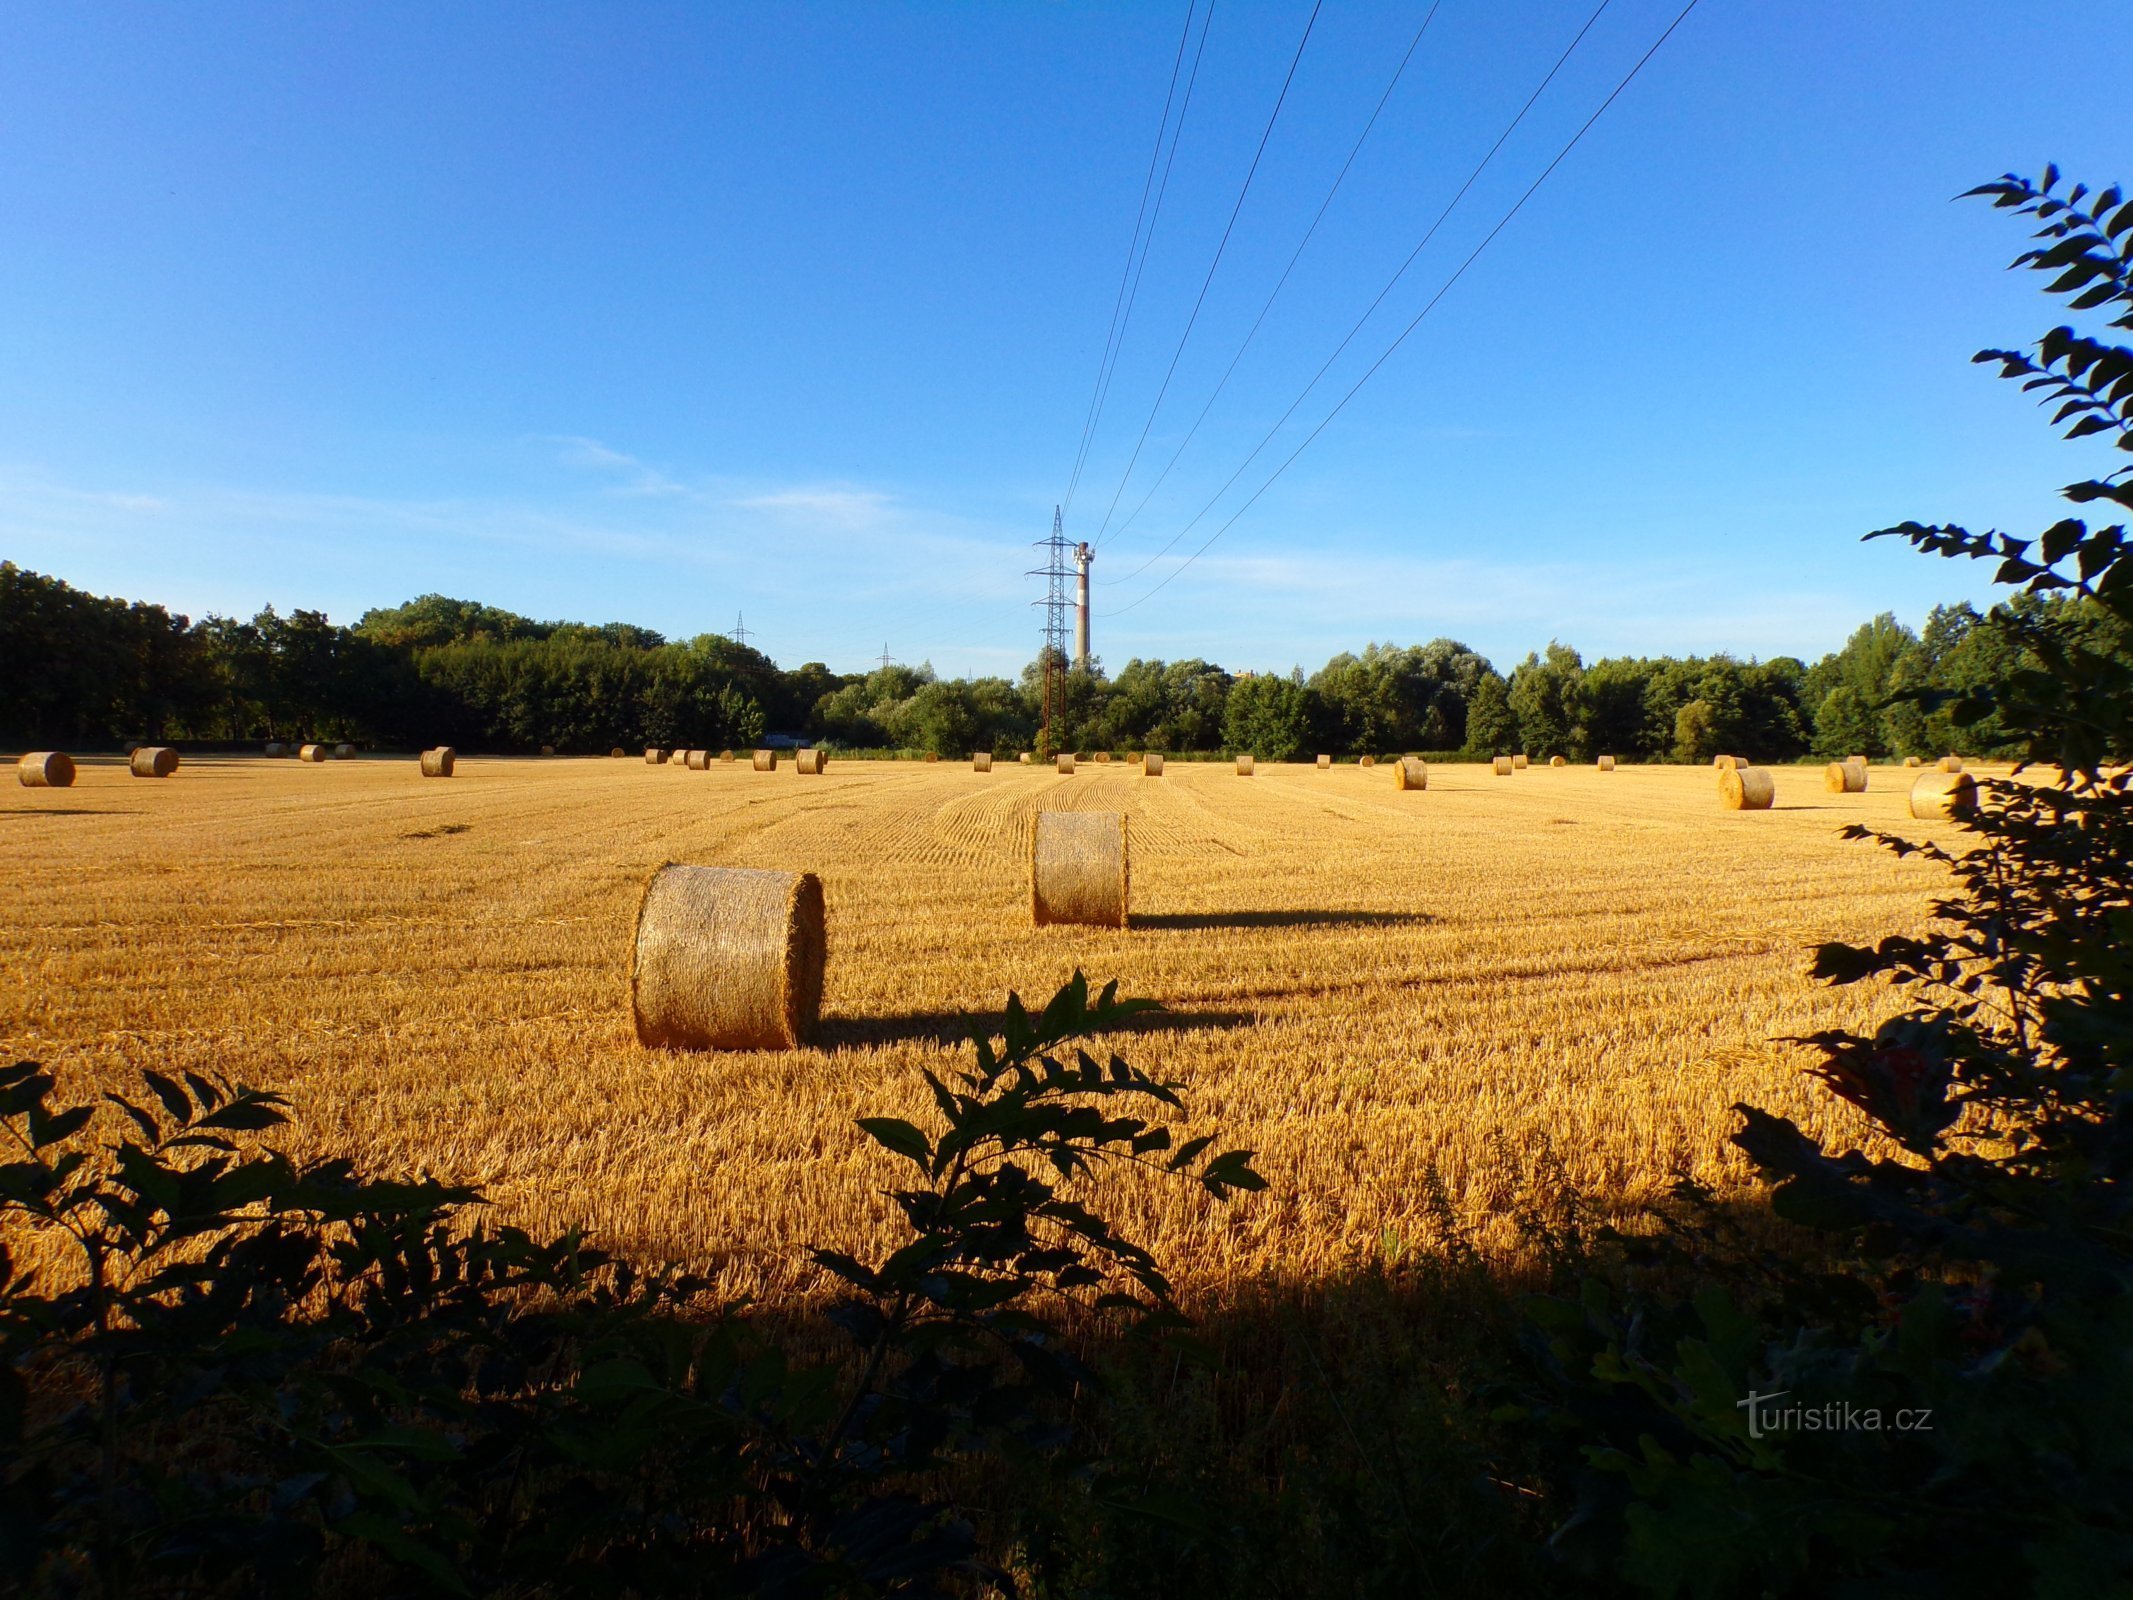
669, 313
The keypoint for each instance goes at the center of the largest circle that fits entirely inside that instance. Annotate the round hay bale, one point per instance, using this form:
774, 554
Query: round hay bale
1950, 763
276, 748
313, 752
810, 762
723, 755
1409, 772
1244, 766
696, 760
981, 761
153, 761
1912, 761
933, 755
654, 756
1137, 757
1077, 868
1746, 789
1366, 761
1151, 765
728, 958
1502, 766
1557, 761
1939, 796
1728, 763
344, 752
547, 749
1606, 763
1103, 758
437, 763
45, 769
1324, 762
1844, 777
1064, 765
1518, 763
764, 761
1860, 760
617, 753
1025, 758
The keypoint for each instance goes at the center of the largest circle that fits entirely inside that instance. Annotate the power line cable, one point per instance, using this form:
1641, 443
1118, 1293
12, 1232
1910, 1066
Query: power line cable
1155, 155
1205, 282
1282, 282
1371, 310
1426, 310
1162, 189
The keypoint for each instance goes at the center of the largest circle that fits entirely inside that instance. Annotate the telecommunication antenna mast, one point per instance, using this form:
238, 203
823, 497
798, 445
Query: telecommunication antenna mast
1059, 566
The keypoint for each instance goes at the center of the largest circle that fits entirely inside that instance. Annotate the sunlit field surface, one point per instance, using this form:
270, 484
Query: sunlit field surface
1480, 981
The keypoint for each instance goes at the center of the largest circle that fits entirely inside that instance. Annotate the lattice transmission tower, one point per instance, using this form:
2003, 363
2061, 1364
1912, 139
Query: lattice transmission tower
1058, 567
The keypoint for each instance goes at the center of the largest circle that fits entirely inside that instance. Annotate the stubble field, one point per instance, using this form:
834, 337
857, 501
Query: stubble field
1499, 985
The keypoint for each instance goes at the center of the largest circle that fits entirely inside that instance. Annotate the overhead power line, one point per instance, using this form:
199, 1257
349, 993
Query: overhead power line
1280, 283
1228, 228
1434, 300
1119, 300
1370, 310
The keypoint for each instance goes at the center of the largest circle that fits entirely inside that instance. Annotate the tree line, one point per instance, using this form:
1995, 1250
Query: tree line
79, 671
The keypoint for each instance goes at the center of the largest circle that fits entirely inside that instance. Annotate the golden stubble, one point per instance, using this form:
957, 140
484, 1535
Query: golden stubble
1565, 977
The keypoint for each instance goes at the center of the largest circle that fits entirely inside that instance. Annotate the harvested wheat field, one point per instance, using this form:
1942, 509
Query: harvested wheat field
1365, 986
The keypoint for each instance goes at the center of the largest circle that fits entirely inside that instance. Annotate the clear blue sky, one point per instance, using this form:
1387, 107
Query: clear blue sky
662, 313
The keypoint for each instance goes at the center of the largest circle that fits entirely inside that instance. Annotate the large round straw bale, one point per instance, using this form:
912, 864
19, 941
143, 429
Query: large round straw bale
1502, 766
1912, 761
1728, 763
1137, 757
1746, 789
437, 763
1844, 777
810, 761
1410, 772
933, 755
1366, 761
981, 761
653, 755
1518, 763
696, 760
1324, 762
1064, 764
1940, 795
1606, 763
1025, 758
1103, 758
344, 752
618, 753
723, 755
1151, 765
1951, 763
1860, 760
1077, 868
153, 761
1244, 766
45, 769
728, 958
276, 748
547, 749
764, 761
1557, 761
313, 752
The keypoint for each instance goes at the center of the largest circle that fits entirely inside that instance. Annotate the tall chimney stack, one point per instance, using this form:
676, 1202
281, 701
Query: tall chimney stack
1083, 555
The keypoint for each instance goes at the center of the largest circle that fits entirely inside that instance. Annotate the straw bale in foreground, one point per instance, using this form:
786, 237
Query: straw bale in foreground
1077, 868
1746, 789
811, 762
45, 769
438, 763
153, 761
765, 761
313, 752
1607, 763
1244, 766
1064, 763
1325, 761
981, 761
1502, 766
1151, 765
728, 958
1844, 777
1937, 796
697, 760
1410, 772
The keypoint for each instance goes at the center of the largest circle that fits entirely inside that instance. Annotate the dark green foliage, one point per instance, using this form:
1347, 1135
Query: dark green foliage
1950, 1319
257, 1376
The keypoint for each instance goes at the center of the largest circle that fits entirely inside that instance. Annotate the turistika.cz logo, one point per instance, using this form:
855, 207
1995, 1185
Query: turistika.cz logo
1765, 1417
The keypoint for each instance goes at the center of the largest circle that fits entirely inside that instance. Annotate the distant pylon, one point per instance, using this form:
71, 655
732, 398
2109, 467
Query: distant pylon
1058, 555
887, 661
740, 632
